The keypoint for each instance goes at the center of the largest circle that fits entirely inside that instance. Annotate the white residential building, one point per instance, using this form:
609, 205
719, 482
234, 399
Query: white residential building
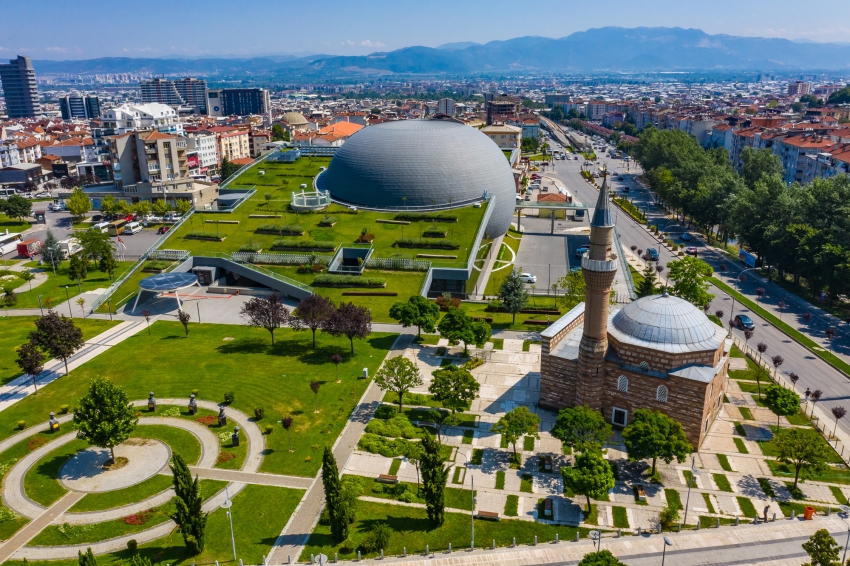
150, 116
203, 145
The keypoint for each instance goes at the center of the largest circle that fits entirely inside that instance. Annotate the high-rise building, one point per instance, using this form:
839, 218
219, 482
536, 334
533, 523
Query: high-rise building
19, 88
239, 102
446, 106
799, 88
78, 106
180, 92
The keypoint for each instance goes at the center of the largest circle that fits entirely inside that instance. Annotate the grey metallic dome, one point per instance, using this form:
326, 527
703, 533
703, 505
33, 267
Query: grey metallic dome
667, 323
295, 119
422, 163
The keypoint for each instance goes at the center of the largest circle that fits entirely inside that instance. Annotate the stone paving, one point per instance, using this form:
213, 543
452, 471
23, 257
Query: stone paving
86, 471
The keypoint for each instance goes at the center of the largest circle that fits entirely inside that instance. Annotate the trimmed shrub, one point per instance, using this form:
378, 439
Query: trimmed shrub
327, 280
63, 409
268, 429
259, 413
205, 236
22, 425
425, 244
327, 221
282, 229
414, 217
434, 234
302, 244
229, 397
387, 411
250, 247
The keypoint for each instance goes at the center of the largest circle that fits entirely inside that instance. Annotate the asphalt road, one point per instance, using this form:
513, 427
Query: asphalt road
814, 373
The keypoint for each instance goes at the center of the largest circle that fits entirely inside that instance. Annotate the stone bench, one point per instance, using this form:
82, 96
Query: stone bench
488, 515
386, 478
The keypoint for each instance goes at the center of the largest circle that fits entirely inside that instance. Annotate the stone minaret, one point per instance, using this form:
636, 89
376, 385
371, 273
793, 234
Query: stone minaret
599, 266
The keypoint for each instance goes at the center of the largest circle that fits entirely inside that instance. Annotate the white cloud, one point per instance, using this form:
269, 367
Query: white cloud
4, 48
368, 43
56, 49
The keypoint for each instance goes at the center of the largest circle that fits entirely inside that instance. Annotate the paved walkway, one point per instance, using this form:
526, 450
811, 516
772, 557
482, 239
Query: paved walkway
257, 478
21, 387
37, 524
487, 268
294, 537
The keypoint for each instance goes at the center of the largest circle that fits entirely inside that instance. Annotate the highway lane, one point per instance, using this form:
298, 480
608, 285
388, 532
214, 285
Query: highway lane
814, 372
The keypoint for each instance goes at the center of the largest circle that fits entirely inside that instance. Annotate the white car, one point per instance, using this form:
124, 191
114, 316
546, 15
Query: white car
528, 278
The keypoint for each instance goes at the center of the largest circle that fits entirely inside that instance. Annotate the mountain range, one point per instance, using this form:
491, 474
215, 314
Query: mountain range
607, 49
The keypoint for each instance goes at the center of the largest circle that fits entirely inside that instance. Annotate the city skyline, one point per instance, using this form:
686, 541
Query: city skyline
363, 28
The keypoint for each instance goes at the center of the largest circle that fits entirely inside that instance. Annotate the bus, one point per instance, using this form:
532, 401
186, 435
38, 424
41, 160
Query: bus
115, 228
9, 242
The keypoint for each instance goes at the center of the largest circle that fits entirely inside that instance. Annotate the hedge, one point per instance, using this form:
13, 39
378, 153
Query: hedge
425, 244
303, 244
369, 294
327, 280
291, 230
413, 217
434, 234
205, 236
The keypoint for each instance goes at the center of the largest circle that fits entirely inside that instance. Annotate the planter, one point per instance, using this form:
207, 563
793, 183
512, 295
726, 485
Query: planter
437, 256
296, 248
277, 232
212, 238
386, 221
369, 294
264, 216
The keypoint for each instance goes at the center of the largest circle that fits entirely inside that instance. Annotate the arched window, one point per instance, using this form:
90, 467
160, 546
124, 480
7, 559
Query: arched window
644, 366
661, 394
623, 384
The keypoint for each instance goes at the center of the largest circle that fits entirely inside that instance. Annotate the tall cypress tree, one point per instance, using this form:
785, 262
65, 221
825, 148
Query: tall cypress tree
189, 517
86, 559
333, 497
434, 478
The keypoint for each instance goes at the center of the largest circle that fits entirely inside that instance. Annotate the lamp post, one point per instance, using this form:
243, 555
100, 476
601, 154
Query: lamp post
68, 298
846, 510
596, 537
667, 542
472, 496
738, 279
227, 505
694, 474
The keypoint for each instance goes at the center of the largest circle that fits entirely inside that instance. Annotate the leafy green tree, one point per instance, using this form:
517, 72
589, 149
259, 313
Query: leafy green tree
142, 208
600, 558
95, 245
333, 497
455, 387
802, 448
513, 294
78, 204
647, 286
783, 402
139, 560
759, 163
31, 361
124, 208
57, 336
398, 375
51, 253
105, 416
160, 207
78, 267
435, 474
457, 326
590, 476
822, 549
690, 280
108, 205
86, 559
17, 207
517, 423
227, 169
10, 298
107, 264
654, 435
183, 206
840, 97
188, 512
277, 132
581, 428
417, 311
574, 288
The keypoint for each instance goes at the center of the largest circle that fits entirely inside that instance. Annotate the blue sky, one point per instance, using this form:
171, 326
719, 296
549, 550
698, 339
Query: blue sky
82, 29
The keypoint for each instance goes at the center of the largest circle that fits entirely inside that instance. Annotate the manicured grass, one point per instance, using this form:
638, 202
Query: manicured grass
511, 240
394, 466
740, 429
456, 498
835, 474
689, 480
796, 492
724, 462
278, 381
415, 399
528, 444
527, 483
502, 320
621, 520
739, 444
41, 483
764, 483
427, 339
708, 503
468, 435
477, 456
459, 475
500, 479
736, 352
800, 419
838, 495
526, 344
799, 508
414, 532
814, 347
747, 507
13, 225
592, 518
54, 288
11, 526
15, 330
746, 414
511, 506
498, 343
769, 449
673, 498
722, 482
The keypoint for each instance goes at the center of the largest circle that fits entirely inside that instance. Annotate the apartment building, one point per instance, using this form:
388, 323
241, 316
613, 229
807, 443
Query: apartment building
231, 143
189, 92
239, 102
203, 147
799, 88
149, 116
794, 149
503, 135
446, 106
19, 88
78, 106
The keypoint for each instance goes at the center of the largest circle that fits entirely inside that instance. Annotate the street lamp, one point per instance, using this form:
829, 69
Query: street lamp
68, 298
667, 542
227, 505
694, 473
472, 514
846, 511
596, 537
737, 279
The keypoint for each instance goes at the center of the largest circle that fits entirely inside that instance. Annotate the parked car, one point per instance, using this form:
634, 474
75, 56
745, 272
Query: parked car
581, 251
691, 250
44, 194
653, 254
744, 322
163, 229
528, 278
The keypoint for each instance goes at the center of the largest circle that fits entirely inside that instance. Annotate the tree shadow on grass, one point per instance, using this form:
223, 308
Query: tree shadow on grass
245, 346
322, 355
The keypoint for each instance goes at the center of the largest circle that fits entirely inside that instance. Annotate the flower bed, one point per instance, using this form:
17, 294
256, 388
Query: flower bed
139, 518
327, 280
208, 420
224, 456
36, 442
425, 244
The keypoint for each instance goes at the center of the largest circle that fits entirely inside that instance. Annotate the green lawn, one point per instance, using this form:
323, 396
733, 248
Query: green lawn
724, 462
722, 482
15, 330
41, 483
768, 449
455, 497
511, 506
13, 225
511, 240
500, 479
747, 507
413, 532
502, 320
259, 515
278, 380
621, 519
835, 474
527, 483
52, 291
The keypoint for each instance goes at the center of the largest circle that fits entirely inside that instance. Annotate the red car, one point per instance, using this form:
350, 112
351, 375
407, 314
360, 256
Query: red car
163, 229
535, 176
130, 217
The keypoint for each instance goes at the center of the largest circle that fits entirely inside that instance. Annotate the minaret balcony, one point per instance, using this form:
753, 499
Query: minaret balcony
600, 265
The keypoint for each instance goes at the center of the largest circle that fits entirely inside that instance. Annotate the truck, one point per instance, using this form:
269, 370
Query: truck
69, 247
29, 248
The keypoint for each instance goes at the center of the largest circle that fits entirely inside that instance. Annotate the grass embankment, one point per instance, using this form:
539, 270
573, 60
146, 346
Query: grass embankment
14, 331
52, 291
504, 261
278, 381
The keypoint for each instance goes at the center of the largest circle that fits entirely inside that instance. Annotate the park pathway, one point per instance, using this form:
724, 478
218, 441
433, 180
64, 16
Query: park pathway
294, 537
37, 524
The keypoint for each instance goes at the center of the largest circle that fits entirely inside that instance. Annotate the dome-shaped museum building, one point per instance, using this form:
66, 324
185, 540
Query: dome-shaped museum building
434, 164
